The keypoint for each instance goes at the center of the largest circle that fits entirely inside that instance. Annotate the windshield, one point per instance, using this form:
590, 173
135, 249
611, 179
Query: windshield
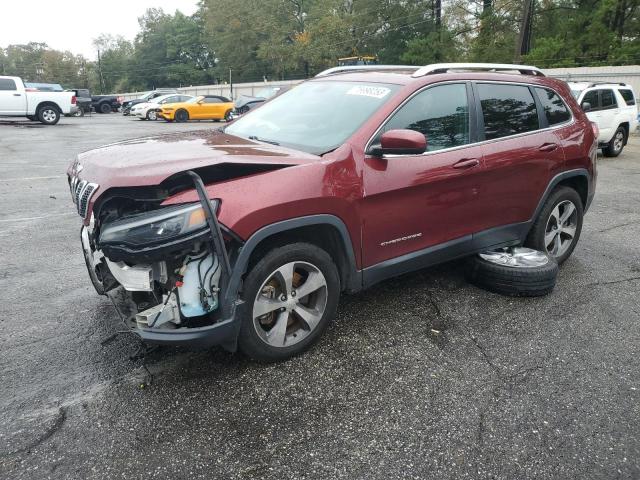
315, 117
161, 98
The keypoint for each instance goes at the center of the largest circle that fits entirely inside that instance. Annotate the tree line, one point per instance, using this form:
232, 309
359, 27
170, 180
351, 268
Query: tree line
252, 40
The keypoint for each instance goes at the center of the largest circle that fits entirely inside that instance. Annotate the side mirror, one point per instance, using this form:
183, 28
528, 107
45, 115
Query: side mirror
586, 106
400, 142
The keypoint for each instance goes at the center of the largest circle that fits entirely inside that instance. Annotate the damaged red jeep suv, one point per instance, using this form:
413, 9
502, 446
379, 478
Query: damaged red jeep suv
246, 235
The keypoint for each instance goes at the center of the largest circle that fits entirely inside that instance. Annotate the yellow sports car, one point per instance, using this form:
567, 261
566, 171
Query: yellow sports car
204, 107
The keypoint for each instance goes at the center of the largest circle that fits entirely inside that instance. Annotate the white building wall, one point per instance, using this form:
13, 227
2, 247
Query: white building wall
629, 74
225, 90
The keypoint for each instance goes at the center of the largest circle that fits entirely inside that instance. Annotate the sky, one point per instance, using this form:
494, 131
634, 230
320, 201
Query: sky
59, 23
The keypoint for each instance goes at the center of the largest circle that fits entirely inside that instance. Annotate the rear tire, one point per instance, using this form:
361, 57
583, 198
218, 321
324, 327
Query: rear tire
105, 108
152, 115
293, 321
181, 116
551, 231
533, 280
616, 144
48, 115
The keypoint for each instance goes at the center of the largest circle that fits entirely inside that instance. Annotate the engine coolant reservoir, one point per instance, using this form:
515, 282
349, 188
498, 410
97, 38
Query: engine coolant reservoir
198, 294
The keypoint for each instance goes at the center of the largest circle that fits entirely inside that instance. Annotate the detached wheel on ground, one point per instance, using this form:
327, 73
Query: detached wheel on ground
48, 114
514, 271
182, 116
289, 296
616, 144
558, 226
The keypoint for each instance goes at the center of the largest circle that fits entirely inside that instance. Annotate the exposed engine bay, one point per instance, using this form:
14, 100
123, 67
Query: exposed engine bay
162, 256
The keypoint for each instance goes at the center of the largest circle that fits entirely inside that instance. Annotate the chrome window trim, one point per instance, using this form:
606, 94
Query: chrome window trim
483, 142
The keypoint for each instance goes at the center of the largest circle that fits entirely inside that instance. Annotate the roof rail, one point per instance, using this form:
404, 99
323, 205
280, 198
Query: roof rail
368, 68
487, 67
593, 84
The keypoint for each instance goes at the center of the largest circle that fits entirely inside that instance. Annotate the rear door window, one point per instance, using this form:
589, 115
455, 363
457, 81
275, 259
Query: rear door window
507, 110
608, 99
440, 113
554, 108
628, 96
7, 84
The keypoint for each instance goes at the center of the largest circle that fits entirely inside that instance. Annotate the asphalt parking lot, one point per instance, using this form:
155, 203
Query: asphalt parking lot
511, 388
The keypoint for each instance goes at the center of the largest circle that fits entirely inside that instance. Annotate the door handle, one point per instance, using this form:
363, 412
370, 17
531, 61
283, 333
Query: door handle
17, 94
467, 163
548, 147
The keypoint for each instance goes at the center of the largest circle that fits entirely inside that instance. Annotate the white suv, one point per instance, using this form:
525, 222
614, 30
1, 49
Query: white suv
611, 106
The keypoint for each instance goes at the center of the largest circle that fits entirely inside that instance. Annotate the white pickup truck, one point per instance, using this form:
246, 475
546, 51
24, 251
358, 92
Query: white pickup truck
46, 107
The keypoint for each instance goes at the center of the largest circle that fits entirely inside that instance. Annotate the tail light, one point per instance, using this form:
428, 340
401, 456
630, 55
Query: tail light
73, 100
596, 130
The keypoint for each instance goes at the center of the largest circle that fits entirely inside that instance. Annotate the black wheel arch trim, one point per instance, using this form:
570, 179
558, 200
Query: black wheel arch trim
553, 183
242, 261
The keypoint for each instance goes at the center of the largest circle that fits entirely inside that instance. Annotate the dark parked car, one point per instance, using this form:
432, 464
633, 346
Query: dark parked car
244, 103
83, 101
105, 103
147, 97
247, 234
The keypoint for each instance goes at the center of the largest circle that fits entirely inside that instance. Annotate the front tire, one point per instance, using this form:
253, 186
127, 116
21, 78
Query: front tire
558, 226
289, 296
48, 115
616, 144
227, 116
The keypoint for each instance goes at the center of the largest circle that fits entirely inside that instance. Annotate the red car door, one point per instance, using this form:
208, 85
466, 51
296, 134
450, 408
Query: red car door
521, 153
412, 202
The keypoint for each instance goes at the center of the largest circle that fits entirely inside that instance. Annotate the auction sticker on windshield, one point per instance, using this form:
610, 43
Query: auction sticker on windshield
369, 91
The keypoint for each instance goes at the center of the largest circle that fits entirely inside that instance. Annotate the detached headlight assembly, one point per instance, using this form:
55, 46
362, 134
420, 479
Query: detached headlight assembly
159, 226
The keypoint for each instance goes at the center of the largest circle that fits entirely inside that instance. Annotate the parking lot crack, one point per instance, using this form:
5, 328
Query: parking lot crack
57, 424
613, 282
608, 229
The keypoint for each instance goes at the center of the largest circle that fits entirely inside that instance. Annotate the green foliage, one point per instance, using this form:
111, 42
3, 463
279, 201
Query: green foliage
283, 39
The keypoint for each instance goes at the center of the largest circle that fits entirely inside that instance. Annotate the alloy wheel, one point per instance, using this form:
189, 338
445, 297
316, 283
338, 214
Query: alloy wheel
49, 115
516, 257
561, 228
618, 141
290, 304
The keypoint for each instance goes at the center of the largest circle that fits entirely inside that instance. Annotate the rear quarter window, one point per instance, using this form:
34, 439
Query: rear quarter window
554, 108
628, 96
7, 84
507, 110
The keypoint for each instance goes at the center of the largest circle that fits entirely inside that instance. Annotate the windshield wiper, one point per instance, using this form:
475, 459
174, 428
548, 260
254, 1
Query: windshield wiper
255, 137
